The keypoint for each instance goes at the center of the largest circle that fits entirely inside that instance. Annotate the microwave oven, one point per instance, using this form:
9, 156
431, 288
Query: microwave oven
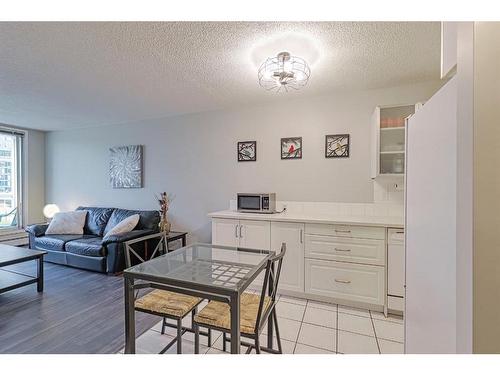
256, 202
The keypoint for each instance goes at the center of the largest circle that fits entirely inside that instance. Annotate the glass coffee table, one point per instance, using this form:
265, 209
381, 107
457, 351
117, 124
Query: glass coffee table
10, 279
217, 273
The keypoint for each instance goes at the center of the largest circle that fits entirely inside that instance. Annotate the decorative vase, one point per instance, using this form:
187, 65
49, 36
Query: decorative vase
164, 224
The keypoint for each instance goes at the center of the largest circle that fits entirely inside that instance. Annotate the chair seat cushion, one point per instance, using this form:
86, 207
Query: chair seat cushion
167, 303
217, 314
89, 246
54, 242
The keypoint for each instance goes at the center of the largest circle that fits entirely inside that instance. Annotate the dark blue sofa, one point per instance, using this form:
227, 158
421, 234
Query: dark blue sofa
89, 251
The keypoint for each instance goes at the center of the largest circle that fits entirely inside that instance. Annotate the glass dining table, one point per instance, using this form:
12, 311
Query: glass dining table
213, 272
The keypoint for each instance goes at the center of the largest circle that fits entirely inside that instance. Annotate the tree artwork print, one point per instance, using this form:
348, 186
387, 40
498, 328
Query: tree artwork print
247, 151
291, 148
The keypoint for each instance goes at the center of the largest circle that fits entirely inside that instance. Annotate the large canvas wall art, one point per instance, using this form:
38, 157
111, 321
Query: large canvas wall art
125, 167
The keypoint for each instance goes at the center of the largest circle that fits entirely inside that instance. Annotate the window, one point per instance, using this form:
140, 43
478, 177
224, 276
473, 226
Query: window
11, 144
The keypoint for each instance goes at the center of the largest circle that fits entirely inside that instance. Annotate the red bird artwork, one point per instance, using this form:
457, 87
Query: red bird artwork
291, 148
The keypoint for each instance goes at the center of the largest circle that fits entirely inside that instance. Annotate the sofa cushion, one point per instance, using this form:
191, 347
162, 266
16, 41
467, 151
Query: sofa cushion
90, 246
67, 223
147, 219
97, 218
124, 226
54, 242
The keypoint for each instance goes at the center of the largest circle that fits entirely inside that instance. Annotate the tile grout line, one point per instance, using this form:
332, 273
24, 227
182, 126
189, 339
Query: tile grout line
337, 330
315, 347
300, 328
374, 332
355, 333
312, 324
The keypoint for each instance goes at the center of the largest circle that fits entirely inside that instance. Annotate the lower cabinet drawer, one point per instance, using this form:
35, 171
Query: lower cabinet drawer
352, 231
355, 250
353, 282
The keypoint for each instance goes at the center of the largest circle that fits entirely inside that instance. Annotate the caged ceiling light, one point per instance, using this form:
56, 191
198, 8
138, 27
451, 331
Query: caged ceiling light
284, 72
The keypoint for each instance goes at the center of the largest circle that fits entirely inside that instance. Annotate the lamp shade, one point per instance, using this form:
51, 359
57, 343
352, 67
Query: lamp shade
50, 210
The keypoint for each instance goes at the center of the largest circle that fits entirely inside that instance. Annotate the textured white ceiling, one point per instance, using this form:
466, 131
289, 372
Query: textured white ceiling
66, 75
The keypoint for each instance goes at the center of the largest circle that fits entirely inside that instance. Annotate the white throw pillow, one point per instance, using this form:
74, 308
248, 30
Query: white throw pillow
67, 223
124, 226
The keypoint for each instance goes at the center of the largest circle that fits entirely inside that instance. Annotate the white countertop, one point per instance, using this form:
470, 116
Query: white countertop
318, 218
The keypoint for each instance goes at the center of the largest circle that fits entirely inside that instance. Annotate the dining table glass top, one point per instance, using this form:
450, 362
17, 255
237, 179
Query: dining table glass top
222, 267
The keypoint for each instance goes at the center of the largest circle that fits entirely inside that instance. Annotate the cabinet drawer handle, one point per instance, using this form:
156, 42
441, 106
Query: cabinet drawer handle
342, 231
337, 249
342, 281
236, 231
240, 231
301, 236
401, 232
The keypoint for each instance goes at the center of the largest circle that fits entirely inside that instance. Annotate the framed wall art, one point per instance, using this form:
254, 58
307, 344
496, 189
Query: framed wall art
247, 151
337, 146
291, 148
125, 167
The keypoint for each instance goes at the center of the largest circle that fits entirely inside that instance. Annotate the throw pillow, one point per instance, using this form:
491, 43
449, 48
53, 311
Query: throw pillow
124, 226
67, 223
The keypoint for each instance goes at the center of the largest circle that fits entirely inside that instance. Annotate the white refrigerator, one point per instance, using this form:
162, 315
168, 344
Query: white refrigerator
430, 204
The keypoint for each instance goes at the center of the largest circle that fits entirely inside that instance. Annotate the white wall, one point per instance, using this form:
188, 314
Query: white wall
486, 275
194, 156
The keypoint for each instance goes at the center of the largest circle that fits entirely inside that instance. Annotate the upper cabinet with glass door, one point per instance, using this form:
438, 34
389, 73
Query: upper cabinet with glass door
388, 140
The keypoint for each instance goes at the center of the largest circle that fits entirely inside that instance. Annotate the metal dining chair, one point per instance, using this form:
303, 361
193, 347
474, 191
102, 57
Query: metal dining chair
255, 309
163, 303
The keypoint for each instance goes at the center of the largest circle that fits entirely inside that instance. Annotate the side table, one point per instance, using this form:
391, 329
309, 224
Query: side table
174, 236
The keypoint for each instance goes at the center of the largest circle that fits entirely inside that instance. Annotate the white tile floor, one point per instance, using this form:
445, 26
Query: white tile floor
306, 327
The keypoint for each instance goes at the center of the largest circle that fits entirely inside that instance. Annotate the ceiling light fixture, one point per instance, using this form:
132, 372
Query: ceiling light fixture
284, 72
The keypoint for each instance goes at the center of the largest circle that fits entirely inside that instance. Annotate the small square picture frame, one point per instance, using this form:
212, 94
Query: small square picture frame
337, 146
247, 151
291, 148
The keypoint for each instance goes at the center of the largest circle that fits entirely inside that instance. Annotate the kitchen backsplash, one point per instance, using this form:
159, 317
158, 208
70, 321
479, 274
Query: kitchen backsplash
348, 209
388, 190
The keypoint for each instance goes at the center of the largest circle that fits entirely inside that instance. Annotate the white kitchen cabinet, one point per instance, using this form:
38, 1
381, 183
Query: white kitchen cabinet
326, 261
395, 269
388, 140
345, 281
292, 271
225, 232
350, 231
244, 233
255, 234
396, 263
353, 250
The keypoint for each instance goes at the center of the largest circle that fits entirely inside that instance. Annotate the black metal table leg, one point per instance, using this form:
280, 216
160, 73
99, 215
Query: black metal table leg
183, 240
270, 333
129, 315
179, 336
39, 274
234, 305
196, 339
270, 318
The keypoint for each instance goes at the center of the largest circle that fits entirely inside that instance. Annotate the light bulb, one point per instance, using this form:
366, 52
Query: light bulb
50, 210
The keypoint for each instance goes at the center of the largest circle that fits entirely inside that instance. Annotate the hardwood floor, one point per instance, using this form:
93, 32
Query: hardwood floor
78, 312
